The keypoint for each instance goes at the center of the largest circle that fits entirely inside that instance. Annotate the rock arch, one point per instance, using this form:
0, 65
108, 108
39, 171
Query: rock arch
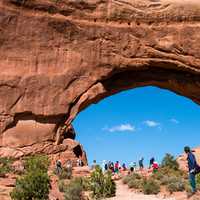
58, 58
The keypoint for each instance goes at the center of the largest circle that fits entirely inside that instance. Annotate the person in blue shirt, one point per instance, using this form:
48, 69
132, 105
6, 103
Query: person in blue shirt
192, 163
141, 165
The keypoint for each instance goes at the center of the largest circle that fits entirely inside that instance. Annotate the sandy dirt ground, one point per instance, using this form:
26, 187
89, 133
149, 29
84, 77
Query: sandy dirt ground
123, 193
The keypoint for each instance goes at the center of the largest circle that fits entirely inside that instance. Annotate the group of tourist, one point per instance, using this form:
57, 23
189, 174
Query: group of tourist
59, 167
68, 165
152, 164
116, 167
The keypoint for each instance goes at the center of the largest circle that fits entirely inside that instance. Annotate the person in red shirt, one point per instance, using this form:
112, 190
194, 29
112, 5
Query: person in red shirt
117, 167
155, 166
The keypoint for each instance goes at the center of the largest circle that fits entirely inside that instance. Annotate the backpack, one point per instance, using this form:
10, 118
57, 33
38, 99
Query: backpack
197, 169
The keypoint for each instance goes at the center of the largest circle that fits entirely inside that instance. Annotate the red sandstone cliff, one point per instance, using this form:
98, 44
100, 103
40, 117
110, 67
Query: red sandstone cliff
58, 57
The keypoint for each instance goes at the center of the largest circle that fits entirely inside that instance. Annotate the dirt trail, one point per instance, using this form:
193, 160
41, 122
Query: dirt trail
123, 193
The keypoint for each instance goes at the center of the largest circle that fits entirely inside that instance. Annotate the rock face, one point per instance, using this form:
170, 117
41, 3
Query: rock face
58, 57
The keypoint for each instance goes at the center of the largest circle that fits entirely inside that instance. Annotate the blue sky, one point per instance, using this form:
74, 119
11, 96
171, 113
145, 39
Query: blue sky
141, 122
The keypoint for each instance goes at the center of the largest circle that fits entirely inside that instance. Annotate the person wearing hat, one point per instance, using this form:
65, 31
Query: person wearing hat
192, 163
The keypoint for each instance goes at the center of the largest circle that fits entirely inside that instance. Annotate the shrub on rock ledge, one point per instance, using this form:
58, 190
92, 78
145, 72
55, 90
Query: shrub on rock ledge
170, 162
35, 182
74, 190
102, 185
5, 166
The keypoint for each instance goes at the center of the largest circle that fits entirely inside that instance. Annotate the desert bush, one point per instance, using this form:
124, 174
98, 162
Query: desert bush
35, 182
159, 176
175, 184
126, 179
5, 166
150, 186
102, 185
74, 190
198, 181
65, 174
61, 185
86, 183
133, 181
109, 185
35, 163
170, 162
164, 173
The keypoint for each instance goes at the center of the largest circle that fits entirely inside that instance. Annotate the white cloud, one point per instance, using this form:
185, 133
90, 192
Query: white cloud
121, 128
175, 121
151, 123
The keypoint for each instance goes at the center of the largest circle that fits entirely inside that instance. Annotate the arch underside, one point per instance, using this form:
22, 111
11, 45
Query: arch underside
183, 83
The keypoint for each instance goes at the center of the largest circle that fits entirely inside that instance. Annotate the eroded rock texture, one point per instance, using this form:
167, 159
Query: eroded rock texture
58, 57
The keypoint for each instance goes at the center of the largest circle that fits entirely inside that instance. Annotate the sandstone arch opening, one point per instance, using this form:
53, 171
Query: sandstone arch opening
185, 83
97, 125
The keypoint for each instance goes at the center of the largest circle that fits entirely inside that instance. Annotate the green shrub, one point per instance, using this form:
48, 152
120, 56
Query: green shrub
34, 185
109, 185
5, 166
150, 186
65, 174
102, 185
170, 162
176, 186
165, 173
74, 190
35, 163
86, 183
35, 182
135, 176
126, 179
135, 183
159, 176
198, 179
61, 185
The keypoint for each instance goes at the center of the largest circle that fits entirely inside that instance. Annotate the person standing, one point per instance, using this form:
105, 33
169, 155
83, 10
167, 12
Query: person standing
192, 165
141, 165
69, 169
124, 168
58, 167
117, 167
134, 166
94, 164
106, 167
78, 162
155, 167
151, 162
